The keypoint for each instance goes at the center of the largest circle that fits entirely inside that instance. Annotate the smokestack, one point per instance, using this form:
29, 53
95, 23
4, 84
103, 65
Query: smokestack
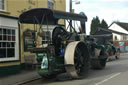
83, 28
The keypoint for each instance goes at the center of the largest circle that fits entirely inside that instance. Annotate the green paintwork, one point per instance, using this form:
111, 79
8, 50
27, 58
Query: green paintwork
56, 63
43, 71
9, 70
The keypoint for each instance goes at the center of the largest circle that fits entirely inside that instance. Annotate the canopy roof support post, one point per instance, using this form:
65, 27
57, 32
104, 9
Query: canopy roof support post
39, 24
71, 26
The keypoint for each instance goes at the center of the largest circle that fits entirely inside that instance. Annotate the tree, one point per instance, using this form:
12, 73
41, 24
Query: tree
95, 24
104, 24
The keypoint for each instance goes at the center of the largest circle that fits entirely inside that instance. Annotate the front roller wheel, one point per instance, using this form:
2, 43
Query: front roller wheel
76, 59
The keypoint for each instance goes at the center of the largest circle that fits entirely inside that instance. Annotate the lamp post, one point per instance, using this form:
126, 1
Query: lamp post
70, 1
70, 9
70, 4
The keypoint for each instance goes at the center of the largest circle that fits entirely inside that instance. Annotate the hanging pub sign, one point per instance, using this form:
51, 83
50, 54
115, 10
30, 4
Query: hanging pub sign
29, 37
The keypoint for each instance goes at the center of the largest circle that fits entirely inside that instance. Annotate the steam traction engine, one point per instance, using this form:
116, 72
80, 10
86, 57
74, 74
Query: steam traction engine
63, 51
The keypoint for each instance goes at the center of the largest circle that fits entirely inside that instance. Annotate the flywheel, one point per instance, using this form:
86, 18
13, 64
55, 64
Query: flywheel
77, 59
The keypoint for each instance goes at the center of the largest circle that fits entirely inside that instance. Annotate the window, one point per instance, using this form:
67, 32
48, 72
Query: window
29, 37
50, 4
7, 42
46, 38
124, 37
115, 37
2, 4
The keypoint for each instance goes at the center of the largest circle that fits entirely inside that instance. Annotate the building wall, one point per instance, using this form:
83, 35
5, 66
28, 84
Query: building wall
16, 7
121, 39
117, 28
60, 5
118, 37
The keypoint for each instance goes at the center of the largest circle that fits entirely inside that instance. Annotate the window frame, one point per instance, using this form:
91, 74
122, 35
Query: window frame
16, 45
4, 6
45, 40
124, 37
49, 6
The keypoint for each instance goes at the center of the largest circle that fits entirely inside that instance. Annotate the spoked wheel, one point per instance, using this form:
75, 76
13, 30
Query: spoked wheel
76, 59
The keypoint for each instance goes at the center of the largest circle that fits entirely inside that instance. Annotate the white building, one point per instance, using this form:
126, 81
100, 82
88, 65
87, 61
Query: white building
118, 34
119, 31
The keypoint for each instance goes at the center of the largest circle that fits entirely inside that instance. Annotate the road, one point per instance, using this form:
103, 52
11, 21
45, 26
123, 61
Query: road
115, 73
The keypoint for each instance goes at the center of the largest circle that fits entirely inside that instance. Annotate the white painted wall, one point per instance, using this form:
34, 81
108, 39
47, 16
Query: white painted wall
117, 28
8, 22
117, 35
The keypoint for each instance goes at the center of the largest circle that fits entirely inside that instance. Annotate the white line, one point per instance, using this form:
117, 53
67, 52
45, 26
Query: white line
108, 78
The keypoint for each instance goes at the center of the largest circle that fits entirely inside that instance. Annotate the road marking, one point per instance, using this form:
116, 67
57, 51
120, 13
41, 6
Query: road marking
99, 83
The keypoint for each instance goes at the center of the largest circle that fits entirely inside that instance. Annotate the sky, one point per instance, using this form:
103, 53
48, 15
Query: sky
109, 10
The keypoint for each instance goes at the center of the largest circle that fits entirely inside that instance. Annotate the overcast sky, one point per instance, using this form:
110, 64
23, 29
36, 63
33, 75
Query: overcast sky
109, 10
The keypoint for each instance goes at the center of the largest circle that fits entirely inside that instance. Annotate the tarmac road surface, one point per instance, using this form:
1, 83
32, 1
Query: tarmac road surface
115, 73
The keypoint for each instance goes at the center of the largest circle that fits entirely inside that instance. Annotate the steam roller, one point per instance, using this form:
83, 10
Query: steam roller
62, 50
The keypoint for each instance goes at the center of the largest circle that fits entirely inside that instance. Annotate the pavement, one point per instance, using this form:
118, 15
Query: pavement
16, 79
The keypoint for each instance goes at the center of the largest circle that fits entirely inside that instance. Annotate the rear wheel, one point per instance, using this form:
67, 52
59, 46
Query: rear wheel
77, 59
100, 62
